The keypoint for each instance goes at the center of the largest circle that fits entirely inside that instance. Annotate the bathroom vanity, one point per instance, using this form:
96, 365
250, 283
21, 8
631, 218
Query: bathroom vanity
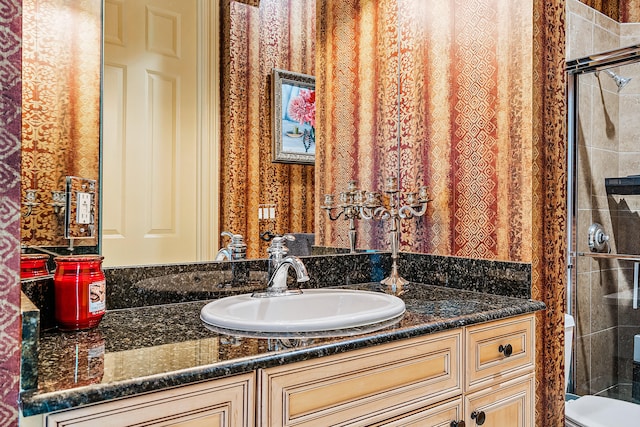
454, 356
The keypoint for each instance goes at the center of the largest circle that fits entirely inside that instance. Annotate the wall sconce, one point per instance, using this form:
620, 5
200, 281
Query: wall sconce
30, 201
59, 201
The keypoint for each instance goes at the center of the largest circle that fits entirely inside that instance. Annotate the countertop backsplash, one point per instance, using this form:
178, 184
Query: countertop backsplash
141, 286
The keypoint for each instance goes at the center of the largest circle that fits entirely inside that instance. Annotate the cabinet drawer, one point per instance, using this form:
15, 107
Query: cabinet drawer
435, 416
499, 350
363, 386
226, 402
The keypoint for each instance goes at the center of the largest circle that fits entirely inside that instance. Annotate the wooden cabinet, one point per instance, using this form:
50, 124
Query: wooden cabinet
227, 402
362, 387
413, 382
500, 364
505, 404
481, 374
440, 415
497, 351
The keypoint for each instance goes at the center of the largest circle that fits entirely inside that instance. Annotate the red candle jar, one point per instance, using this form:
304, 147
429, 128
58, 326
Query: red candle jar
33, 265
79, 288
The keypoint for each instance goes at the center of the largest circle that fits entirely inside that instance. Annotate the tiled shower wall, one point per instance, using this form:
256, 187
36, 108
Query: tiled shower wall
607, 135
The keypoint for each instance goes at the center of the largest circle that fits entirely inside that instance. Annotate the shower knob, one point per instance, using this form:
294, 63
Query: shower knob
598, 239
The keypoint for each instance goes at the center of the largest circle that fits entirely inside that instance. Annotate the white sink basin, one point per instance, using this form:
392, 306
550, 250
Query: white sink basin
313, 310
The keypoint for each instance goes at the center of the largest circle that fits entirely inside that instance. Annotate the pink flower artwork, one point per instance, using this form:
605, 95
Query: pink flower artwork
302, 108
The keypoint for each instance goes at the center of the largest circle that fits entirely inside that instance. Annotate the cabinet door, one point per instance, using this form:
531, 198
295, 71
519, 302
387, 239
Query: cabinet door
441, 415
507, 404
365, 386
227, 402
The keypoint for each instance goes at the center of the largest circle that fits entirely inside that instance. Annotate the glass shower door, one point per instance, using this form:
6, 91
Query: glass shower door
604, 227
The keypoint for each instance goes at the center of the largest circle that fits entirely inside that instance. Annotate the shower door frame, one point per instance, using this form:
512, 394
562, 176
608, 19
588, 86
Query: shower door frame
574, 68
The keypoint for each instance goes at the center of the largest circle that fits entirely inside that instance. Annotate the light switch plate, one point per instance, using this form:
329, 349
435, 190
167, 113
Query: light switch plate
80, 213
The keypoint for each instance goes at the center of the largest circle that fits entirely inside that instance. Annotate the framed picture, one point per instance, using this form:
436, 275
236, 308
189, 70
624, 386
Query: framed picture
293, 117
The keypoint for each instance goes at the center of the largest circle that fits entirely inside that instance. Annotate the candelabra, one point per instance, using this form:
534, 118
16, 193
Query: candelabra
30, 201
59, 201
348, 207
356, 204
415, 205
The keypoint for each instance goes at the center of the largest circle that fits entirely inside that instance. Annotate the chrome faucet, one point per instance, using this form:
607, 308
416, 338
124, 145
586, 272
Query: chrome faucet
279, 264
235, 250
278, 282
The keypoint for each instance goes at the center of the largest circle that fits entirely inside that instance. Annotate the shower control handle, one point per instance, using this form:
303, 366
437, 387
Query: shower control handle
507, 350
479, 416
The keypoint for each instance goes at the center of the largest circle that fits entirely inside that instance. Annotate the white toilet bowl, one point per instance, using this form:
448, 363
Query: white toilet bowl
593, 411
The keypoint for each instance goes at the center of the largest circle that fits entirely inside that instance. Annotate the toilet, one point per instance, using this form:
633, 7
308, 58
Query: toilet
593, 411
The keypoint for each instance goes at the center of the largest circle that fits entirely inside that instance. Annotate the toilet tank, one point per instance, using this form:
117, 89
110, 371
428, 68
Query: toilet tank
569, 325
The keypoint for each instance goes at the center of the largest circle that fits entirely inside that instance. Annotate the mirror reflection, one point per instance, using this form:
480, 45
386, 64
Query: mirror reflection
165, 151
386, 108
60, 112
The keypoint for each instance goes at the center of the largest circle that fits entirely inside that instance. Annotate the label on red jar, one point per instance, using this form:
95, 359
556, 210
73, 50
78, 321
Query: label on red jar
97, 295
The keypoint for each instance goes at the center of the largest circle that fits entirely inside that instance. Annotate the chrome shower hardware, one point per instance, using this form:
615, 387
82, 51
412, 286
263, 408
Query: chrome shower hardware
620, 81
598, 239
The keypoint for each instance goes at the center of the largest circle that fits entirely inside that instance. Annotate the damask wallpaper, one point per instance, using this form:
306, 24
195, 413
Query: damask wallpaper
465, 114
278, 34
61, 106
357, 109
10, 122
548, 206
452, 90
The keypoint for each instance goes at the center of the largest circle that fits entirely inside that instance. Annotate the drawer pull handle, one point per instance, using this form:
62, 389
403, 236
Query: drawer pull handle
457, 424
480, 417
507, 350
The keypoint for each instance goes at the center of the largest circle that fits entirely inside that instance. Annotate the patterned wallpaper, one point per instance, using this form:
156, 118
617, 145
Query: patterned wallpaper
10, 121
548, 206
461, 116
278, 34
357, 108
465, 114
547, 193
61, 113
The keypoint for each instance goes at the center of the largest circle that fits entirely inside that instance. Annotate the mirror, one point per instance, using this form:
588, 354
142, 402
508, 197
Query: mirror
475, 152
248, 184
60, 113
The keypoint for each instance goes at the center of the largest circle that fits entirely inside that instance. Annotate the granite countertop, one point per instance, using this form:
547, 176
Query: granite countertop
137, 350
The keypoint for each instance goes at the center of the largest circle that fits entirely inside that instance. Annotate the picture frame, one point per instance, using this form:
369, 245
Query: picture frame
293, 117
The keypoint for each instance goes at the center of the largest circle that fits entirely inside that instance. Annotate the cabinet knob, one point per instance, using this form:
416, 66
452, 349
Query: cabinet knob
507, 350
457, 424
479, 416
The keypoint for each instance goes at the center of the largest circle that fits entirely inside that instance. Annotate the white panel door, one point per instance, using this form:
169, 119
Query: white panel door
150, 132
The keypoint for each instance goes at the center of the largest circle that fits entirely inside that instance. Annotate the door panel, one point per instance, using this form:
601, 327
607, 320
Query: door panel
150, 111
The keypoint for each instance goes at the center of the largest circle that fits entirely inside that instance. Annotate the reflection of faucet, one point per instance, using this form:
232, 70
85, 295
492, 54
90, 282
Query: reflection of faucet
279, 264
235, 250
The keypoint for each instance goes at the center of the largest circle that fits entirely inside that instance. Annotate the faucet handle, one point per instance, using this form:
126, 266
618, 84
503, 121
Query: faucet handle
237, 247
278, 248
